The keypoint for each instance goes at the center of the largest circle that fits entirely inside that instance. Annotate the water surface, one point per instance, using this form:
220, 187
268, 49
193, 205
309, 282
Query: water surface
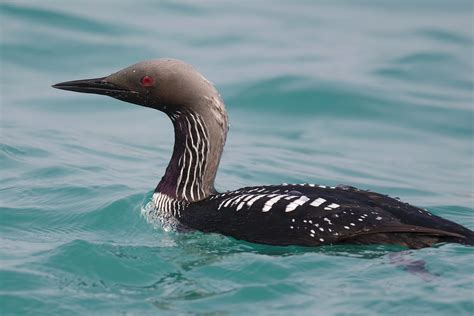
377, 95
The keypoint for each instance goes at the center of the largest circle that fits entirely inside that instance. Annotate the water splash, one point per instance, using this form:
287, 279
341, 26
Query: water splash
159, 219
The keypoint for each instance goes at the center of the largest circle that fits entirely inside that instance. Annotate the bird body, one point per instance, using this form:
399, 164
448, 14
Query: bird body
310, 215
287, 214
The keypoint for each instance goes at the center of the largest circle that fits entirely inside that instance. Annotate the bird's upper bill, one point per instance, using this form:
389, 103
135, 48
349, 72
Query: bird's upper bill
96, 86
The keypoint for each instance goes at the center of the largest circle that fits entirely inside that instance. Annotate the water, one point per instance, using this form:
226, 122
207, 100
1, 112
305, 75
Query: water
377, 94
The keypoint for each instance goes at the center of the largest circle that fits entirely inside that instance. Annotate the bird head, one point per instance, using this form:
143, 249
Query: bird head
168, 85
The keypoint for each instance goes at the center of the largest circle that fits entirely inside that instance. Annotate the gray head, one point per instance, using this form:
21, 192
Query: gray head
166, 84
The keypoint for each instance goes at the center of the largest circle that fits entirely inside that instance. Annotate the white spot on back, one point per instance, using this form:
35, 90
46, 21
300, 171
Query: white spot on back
238, 199
248, 197
230, 200
293, 205
257, 197
317, 202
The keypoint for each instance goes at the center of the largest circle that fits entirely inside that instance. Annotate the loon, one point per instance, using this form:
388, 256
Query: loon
286, 214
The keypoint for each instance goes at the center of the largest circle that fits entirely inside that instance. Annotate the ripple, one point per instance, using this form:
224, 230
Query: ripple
325, 92
16, 152
445, 36
301, 96
57, 19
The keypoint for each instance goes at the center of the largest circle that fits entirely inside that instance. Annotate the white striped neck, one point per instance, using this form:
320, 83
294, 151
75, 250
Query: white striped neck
199, 142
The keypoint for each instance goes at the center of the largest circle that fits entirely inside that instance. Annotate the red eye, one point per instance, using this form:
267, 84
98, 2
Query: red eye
147, 81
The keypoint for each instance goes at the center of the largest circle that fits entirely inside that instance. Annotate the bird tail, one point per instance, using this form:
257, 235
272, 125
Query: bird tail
467, 239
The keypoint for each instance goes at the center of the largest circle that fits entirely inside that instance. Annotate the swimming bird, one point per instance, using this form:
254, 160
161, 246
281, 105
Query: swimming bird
286, 214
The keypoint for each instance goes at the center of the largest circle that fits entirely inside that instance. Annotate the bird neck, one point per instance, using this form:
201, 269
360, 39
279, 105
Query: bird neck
199, 142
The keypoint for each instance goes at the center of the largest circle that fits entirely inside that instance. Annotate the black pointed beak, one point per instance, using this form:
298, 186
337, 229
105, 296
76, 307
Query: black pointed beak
96, 86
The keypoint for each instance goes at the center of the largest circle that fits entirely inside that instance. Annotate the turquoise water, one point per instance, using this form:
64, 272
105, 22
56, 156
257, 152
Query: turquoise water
377, 94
